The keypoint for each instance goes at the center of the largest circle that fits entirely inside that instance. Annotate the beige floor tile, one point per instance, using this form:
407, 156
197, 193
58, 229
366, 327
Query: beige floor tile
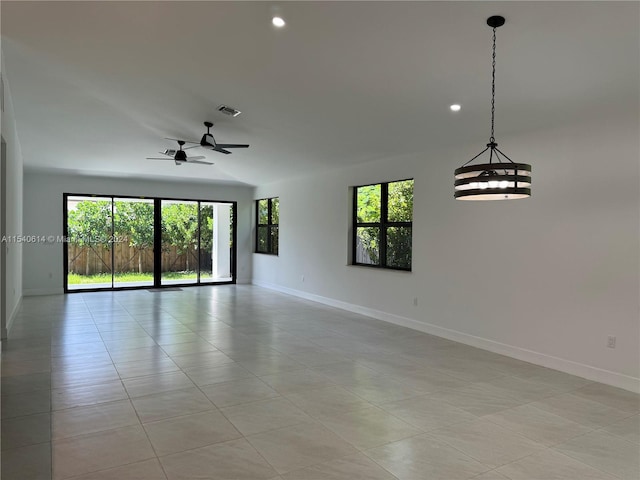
142, 368
238, 392
551, 465
493, 475
201, 359
296, 380
87, 395
99, 451
580, 410
425, 457
611, 396
270, 365
369, 427
629, 429
84, 375
326, 400
23, 431
171, 404
27, 463
146, 470
190, 431
605, 452
525, 390
382, 389
94, 418
426, 413
300, 446
265, 415
196, 346
538, 425
353, 467
225, 373
346, 373
487, 442
477, 399
164, 382
235, 460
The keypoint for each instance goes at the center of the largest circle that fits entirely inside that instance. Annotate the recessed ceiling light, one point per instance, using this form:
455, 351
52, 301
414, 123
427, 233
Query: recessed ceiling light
455, 107
278, 22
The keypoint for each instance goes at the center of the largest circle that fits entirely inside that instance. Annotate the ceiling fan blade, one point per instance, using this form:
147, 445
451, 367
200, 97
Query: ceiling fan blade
233, 145
178, 140
192, 146
199, 157
221, 150
199, 161
157, 158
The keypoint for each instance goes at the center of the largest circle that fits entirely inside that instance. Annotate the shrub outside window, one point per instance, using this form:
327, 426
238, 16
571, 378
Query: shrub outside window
382, 225
267, 220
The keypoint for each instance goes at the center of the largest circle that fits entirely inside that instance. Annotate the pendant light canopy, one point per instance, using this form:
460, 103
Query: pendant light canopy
501, 178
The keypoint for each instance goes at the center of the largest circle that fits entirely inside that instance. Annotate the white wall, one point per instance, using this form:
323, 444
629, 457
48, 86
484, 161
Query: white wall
14, 204
545, 279
43, 202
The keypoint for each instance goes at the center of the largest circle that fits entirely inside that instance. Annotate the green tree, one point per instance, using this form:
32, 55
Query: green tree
133, 221
399, 209
89, 226
180, 228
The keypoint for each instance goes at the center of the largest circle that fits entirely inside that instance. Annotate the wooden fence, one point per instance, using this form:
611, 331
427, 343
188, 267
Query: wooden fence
93, 260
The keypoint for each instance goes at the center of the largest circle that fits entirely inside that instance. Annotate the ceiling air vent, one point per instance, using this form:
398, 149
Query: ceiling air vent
229, 110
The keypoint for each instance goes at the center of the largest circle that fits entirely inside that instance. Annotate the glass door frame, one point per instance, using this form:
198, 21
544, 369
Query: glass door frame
157, 247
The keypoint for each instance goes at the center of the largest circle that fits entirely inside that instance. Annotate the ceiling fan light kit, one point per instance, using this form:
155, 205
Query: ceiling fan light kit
501, 178
207, 141
180, 156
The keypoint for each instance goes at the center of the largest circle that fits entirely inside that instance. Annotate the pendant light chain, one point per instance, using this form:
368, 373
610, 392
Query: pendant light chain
493, 87
499, 178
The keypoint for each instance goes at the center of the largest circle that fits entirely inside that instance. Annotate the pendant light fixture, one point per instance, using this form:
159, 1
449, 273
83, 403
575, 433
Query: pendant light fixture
498, 179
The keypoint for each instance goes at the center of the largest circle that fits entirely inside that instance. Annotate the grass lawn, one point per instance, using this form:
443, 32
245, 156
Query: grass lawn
132, 277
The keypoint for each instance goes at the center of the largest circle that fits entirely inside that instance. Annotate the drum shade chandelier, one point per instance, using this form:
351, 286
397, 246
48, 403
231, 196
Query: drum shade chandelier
501, 178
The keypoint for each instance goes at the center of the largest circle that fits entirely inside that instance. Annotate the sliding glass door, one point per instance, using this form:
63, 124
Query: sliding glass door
133, 235
120, 242
216, 242
179, 242
89, 233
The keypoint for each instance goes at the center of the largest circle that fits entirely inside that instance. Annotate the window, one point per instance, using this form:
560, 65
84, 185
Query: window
267, 218
125, 242
382, 224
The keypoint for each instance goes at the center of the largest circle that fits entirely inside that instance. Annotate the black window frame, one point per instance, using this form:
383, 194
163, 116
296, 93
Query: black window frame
382, 225
157, 249
270, 226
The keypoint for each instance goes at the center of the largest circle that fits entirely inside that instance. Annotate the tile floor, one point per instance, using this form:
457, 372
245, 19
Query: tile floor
242, 383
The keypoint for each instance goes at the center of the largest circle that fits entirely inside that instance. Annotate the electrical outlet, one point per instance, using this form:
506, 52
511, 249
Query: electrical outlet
415, 301
611, 341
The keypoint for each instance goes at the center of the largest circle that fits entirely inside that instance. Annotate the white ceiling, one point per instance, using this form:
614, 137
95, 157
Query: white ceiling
97, 85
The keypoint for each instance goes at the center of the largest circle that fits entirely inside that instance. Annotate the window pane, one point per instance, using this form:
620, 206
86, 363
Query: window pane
275, 211
263, 211
263, 232
274, 240
368, 199
90, 243
400, 208
133, 242
399, 247
180, 260
368, 245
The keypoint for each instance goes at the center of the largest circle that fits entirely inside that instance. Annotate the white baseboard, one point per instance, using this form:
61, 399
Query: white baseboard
567, 366
33, 292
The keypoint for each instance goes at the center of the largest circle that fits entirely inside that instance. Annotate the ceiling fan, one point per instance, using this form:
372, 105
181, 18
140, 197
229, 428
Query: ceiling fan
180, 156
207, 141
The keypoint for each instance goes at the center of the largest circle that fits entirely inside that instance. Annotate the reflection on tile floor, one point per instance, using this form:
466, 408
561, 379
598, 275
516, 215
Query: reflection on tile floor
239, 382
